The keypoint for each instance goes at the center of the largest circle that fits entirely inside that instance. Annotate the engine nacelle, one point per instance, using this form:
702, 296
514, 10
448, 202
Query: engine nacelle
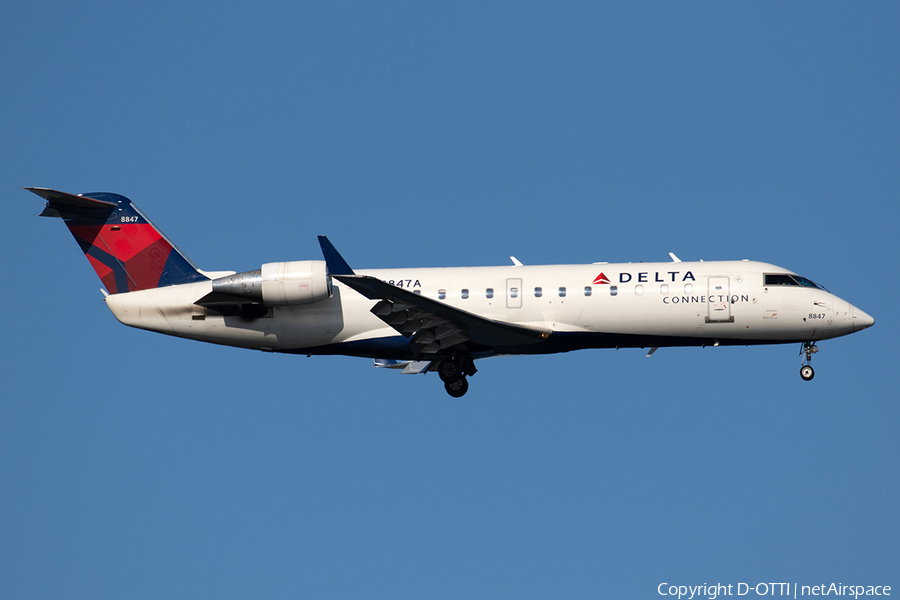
295, 282
278, 284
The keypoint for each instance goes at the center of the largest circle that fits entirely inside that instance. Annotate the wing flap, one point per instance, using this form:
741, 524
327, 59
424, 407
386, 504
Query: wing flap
410, 367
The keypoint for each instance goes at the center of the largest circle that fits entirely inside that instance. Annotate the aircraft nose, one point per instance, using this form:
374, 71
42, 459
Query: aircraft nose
861, 320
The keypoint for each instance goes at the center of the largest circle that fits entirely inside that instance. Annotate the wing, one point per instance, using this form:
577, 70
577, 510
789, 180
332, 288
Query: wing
431, 327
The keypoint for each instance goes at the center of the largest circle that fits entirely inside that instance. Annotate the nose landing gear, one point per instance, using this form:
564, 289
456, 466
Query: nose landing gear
807, 350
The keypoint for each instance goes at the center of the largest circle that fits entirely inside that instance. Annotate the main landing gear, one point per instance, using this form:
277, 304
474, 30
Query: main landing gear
457, 388
807, 350
453, 371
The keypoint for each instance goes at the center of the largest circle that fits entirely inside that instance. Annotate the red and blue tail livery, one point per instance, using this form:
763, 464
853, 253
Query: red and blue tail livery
126, 250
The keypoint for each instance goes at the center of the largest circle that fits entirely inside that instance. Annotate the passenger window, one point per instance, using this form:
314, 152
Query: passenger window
587, 290
638, 290
513, 292
442, 294
664, 289
465, 293
688, 288
538, 292
562, 292
489, 292
417, 292
613, 290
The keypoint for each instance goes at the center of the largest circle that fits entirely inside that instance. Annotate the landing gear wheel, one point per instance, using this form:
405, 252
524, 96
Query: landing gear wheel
457, 388
806, 351
449, 371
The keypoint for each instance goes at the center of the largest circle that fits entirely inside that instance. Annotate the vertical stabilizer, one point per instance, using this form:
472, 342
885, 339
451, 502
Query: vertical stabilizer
126, 250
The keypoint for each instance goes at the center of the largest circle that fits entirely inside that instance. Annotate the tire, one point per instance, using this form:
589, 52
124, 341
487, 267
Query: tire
807, 373
457, 388
449, 371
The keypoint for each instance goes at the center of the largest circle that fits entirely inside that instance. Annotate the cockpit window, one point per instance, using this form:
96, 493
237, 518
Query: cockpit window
779, 279
794, 280
808, 282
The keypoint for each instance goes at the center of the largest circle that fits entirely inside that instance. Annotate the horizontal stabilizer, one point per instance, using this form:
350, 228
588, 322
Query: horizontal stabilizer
70, 203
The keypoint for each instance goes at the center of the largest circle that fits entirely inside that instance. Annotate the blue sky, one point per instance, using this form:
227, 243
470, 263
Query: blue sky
140, 466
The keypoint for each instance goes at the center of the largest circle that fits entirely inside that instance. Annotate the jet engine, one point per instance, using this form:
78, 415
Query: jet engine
275, 284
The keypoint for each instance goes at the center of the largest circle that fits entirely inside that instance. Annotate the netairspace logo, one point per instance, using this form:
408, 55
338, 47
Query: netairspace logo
713, 591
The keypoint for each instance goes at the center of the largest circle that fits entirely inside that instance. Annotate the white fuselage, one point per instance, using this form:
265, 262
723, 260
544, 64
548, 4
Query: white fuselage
594, 305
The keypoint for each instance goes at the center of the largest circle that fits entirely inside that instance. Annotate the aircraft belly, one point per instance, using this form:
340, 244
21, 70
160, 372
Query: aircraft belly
231, 331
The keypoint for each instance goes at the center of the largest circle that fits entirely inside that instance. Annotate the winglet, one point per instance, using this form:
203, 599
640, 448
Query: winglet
333, 259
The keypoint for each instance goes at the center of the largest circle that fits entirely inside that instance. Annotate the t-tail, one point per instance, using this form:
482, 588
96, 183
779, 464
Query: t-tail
126, 250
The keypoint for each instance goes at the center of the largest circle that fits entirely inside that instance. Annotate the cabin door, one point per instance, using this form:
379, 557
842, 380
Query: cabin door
718, 302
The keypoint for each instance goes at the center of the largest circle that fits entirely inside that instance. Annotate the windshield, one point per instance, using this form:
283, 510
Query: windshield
793, 280
808, 283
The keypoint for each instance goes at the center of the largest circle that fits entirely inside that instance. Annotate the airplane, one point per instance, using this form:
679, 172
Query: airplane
442, 320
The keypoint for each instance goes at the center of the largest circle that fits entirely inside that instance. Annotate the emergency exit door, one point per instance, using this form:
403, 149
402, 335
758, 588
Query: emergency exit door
513, 293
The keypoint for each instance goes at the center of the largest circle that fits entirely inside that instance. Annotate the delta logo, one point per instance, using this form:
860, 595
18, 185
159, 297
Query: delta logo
648, 277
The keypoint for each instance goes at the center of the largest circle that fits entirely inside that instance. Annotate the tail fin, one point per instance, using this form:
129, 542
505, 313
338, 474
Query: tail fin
126, 250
